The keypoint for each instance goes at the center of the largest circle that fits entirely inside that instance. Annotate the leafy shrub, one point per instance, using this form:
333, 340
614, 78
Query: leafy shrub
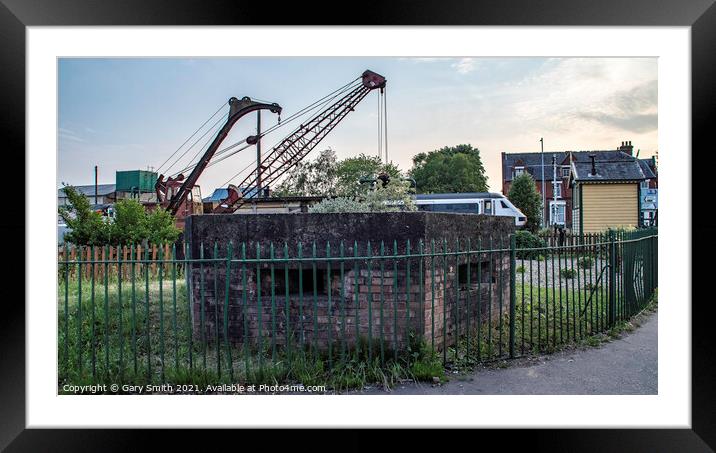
520, 269
585, 262
526, 240
86, 227
393, 197
567, 273
132, 224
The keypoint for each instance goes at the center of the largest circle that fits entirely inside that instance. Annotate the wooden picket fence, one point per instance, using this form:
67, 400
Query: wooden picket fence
100, 260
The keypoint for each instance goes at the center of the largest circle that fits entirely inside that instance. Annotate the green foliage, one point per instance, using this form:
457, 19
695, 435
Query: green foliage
568, 273
86, 226
526, 240
523, 194
449, 169
160, 227
393, 197
520, 269
311, 178
585, 262
129, 226
132, 224
351, 170
327, 176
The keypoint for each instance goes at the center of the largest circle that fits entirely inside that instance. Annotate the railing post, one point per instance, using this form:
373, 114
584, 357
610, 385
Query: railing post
612, 278
513, 256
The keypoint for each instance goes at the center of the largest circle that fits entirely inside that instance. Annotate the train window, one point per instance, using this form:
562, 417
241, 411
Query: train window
504, 205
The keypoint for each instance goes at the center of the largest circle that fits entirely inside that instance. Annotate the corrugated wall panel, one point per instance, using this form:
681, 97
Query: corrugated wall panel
609, 205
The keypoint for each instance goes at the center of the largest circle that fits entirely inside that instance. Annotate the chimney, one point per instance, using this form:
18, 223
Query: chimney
594, 167
627, 148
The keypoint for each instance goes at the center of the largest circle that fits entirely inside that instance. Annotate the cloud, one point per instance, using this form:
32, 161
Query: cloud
633, 110
465, 65
424, 59
67, 134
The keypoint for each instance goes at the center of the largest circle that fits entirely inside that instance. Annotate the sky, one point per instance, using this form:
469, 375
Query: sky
129, 114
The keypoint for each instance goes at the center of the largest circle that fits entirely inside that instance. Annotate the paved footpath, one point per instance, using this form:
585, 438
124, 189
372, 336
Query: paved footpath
626, 366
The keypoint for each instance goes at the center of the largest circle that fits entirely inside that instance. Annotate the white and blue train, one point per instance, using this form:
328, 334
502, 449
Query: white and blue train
486, 203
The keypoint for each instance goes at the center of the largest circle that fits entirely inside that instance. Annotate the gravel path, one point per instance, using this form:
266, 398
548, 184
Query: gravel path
545, 268
626, 366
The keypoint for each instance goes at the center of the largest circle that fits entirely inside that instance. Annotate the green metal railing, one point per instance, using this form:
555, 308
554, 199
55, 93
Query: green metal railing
251, 312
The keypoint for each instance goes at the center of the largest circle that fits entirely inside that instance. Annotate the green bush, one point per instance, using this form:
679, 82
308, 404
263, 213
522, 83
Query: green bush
520, 269
585, 262
526, 240
567, 273
132, 224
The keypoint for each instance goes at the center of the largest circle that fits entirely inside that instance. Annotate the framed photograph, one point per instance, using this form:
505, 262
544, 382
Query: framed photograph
426, 216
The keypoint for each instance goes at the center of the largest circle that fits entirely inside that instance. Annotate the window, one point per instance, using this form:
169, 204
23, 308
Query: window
504, 205
645, 184
482, 275
488, 207
565, 172
296, 281
557, 187
519, 171
557, 212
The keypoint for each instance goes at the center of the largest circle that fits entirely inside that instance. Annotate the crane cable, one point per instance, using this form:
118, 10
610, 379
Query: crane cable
384, 95
343, 89
380, 127
222, 106
214, 127
317, 104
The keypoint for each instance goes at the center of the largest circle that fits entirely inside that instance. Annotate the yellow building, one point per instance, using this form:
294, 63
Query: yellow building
605, 193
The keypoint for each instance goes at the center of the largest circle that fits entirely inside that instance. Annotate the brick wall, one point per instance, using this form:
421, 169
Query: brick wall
330, 312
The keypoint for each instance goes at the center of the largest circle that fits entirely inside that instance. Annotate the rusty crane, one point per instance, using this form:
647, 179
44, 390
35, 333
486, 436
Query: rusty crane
175, 192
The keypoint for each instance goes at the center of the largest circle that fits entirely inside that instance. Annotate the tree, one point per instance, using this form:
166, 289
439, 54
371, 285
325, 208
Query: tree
523, 194
327, 176
86, 227
129, 225
311, 178
449, 170
132, 224
160, 227
351, 170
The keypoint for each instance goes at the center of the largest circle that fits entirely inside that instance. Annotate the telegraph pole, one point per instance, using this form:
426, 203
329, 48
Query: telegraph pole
95, 185
258, 153
554, 186
544, 196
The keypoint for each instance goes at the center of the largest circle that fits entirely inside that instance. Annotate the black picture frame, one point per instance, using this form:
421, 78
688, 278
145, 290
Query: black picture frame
16, 15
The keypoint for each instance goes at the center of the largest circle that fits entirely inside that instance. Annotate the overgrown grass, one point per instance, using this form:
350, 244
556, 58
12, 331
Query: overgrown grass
136, 336
147, 338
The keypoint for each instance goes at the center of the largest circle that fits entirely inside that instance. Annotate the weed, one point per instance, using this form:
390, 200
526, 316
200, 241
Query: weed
568, 273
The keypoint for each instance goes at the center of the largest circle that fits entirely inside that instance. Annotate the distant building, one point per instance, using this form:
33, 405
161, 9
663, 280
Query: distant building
649, 193
559, 207
106, 193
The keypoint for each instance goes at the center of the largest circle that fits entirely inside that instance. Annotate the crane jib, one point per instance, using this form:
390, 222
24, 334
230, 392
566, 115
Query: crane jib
238, 109
299, 143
